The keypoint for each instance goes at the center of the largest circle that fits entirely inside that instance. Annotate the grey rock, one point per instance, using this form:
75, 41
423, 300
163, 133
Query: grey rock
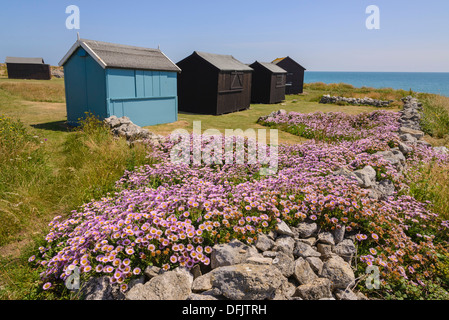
259, 260
408, 138
319, 288
283, 228
247, 281
404, 148
310, 241
347, 294
285, 263
285, 244
303, 272
231, 253
345, 249
339, 234
339, 272
385, 188
202, 283
306, 230
151, 271
423, 142
418, 134
135, 281
367, 175
326, 237
304, 250
202, 297
348, 174
170, 285
101, 289
264, 243
316, 264
325, 250
285, 291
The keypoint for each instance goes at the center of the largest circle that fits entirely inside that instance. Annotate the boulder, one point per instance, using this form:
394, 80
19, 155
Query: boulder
367, 175
306, 230
303, 273
315, 263
339, 272
304, 250
345, 249
317, 289
247, 281
170, 285
417, 134
283, 228
263, 242
202, 283
326, 237
285, 244
231, 253
285, 263
101, 289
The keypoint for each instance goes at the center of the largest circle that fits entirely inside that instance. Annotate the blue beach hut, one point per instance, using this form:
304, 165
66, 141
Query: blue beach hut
112, 79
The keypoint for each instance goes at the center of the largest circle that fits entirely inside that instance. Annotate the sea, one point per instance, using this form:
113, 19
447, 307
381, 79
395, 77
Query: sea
429, 82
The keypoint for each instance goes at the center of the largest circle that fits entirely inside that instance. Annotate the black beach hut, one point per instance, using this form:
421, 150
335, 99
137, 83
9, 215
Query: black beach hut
27, 68
213, 84
268, 83
295, 74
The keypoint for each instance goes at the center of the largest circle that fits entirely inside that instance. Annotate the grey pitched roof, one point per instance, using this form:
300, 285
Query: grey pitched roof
24, 60
224, 62
271, 67
111, 55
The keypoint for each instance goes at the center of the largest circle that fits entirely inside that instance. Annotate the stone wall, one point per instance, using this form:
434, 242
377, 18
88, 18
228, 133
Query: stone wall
355, 101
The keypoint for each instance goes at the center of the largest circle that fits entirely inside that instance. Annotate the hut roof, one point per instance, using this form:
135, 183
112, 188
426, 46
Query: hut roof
277, 60
24, 60
224, 62
271, 67
111, 55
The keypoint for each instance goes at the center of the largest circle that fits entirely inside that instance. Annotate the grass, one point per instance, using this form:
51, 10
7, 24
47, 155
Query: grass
71, 167
435, 120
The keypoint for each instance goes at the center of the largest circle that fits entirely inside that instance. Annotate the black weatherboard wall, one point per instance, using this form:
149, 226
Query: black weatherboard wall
213, 84
268, 83
295, 74
27, 68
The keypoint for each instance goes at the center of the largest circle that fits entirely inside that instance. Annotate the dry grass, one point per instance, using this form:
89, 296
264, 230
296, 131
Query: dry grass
432, 184
435, 121
50, 91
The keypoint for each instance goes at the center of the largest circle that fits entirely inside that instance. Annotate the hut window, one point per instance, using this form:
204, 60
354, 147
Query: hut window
236, 80
280, 80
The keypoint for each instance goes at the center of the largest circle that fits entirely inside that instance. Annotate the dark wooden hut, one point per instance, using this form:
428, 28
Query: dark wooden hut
295, 74
27, 68
213, 84
268, 83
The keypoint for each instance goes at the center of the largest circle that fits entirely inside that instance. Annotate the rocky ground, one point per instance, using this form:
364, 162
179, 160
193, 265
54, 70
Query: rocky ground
291, 263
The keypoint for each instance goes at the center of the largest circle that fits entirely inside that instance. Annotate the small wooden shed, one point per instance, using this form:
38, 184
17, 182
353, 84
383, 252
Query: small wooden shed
27, 68
112, 79
268, 83
295, 74
213, 84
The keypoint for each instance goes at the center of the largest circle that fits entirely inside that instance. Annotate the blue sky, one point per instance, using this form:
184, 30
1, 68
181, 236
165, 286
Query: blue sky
322, 35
